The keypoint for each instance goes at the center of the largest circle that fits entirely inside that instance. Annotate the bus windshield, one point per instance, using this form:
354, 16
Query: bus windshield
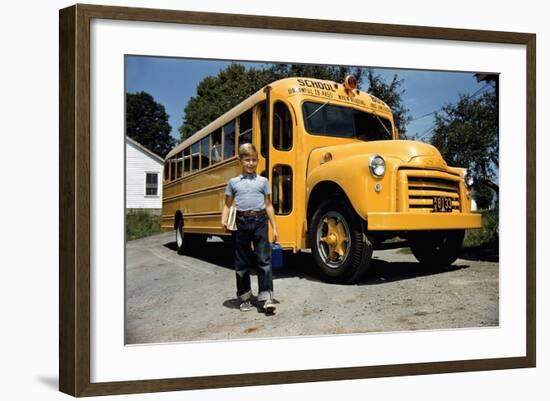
344, 122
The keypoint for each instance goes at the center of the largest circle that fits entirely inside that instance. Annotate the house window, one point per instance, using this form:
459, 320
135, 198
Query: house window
151, 184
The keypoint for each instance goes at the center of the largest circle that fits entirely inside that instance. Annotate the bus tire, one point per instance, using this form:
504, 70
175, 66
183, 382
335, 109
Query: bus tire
180, 237
187, 243
338, 244
437, 249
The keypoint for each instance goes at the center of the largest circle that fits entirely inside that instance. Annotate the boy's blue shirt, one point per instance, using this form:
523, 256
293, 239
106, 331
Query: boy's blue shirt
249, 191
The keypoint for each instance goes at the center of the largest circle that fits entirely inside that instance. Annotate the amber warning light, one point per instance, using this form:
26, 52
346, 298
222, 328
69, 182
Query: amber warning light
350, 83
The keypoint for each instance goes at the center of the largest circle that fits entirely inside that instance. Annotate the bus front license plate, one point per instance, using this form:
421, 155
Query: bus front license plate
442, 204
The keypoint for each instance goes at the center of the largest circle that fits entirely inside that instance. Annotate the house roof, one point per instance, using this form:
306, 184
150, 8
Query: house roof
144, 149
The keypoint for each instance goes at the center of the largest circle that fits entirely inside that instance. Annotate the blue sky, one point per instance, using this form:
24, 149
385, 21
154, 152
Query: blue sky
173, 81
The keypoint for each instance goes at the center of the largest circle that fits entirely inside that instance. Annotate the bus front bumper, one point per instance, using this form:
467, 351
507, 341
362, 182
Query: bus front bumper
401, 221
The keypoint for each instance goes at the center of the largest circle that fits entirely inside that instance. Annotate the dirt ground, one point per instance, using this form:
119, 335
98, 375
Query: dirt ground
171, 297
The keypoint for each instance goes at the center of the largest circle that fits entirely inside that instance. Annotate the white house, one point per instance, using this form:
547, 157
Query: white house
143, 178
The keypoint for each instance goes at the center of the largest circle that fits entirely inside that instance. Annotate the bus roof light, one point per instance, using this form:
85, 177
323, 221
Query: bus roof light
350, 83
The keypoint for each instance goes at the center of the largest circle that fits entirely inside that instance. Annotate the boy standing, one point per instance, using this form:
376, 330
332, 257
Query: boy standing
251, 194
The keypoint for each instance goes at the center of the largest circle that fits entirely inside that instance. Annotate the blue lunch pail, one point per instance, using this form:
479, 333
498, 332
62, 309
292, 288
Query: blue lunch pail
276, 256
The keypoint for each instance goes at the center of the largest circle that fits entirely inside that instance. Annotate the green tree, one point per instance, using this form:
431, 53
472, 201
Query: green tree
392, 94
218, 94
147, 123
326, 72
466, 134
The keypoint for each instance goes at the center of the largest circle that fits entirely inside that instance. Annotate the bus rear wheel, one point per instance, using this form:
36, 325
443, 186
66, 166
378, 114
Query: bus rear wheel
338, 245
437, 249
180, 242
185, 242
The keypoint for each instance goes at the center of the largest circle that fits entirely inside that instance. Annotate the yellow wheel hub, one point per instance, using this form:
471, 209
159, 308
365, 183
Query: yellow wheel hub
335, 239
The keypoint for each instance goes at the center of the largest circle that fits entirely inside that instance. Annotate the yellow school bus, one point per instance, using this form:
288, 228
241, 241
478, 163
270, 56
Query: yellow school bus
342, 181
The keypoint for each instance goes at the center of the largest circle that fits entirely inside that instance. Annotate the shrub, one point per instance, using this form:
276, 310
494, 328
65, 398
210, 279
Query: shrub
141, 224
487, 235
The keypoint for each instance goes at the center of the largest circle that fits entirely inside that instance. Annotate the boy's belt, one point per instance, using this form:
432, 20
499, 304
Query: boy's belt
251, 213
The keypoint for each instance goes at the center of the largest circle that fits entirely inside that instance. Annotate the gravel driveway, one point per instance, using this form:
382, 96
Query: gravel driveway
171, 297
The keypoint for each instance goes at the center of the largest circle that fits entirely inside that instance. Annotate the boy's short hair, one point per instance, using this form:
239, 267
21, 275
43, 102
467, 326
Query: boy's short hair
247, 149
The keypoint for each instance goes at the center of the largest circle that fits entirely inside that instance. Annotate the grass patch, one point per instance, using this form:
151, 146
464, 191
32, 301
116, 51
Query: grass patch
141, 224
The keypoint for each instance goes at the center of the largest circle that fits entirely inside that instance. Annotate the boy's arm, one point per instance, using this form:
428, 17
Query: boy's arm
225, 210
271, 216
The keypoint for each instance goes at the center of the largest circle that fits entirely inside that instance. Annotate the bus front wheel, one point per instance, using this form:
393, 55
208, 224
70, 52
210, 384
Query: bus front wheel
436, 249
338, 245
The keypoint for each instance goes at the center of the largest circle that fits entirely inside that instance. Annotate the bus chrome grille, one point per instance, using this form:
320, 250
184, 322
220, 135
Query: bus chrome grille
423, 190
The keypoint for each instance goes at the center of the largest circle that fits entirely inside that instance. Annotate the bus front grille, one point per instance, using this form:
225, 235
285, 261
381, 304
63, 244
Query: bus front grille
423, 190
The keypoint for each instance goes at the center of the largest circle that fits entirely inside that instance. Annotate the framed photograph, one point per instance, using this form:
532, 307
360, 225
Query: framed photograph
435, 127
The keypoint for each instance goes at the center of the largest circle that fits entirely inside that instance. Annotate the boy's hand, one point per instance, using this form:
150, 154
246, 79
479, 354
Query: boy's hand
275, 235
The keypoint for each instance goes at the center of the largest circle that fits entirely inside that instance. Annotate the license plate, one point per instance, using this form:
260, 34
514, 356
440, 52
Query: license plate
442, 204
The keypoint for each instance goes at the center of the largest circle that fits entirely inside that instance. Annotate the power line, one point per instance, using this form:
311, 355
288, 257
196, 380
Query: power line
425, 115
435, 111
473, 95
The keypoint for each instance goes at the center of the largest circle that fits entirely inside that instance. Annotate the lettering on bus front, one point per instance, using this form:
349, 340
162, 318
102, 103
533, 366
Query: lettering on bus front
322, 89
316, 84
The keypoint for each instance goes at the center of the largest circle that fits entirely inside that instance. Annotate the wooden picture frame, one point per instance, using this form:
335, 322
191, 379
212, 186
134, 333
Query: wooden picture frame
75, 207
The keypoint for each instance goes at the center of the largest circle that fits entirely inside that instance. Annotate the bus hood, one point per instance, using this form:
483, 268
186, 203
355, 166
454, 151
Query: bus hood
402, 150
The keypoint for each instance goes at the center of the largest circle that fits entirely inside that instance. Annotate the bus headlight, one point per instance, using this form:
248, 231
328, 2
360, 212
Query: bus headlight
377, 166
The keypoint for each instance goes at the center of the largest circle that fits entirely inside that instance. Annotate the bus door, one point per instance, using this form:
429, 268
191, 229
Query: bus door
278, 156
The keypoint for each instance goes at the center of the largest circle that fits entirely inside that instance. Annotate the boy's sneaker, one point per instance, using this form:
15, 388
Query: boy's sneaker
245, 306
269, 306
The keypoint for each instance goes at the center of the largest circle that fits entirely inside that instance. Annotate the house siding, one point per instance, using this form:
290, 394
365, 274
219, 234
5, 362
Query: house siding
138, 163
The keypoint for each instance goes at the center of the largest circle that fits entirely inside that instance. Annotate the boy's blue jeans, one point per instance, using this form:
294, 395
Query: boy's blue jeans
253, 230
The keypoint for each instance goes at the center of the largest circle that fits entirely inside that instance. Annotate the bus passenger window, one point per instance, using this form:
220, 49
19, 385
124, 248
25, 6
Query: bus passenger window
282, 127
172, 168
186, 161
195, 157
205, 152
281, 189
179, 162
245, 127
229, 140
216, 146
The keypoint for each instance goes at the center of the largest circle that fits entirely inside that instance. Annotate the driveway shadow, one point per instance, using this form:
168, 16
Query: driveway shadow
379, 271
221, 254
217, 253
302, 266
481, 253
234, 303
